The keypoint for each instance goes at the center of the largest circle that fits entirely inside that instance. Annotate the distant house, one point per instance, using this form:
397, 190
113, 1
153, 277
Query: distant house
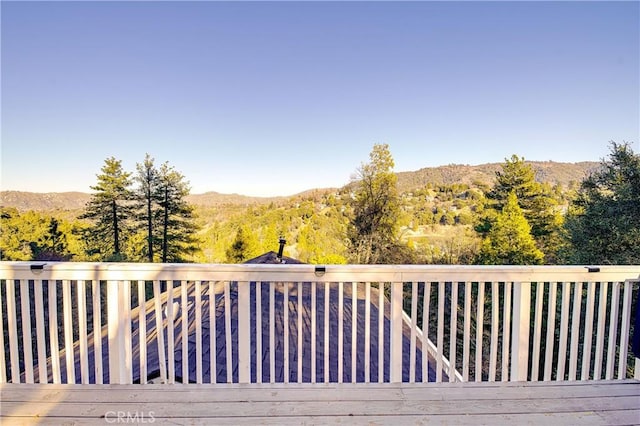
153, 370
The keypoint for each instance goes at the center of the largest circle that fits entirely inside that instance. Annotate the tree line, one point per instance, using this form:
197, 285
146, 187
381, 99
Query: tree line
141, 216
519, 220
137, 217
144, 217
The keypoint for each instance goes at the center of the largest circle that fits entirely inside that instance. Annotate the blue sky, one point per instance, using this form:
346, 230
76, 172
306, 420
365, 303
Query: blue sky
273, 98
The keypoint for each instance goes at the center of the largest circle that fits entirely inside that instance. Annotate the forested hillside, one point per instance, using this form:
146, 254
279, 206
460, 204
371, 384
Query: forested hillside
438, 210
44, 202
568, 175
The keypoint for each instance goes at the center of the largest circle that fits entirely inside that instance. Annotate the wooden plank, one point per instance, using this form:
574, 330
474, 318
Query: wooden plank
244, 332
598, 385
367, 332
340, 331
414, 326
159, 331
602, 311
258, 332
613, 331
564, 328
272, 333
575, 330
82, 331
41, 343
595, 384
467, 331
479, 332
326, 326
506, 332
568, 419
53, 334
27, 351
381, 360
453, 336
3, 365
314, 314
440, 333
126, 330
620, 417
520, 331
299, 332
184, 330
336, 406
213, 333
395, 351
68, 331
354, 330
306, 273
285, 355
227, 330
170, 334
537, 332
198, 308
97, 327
588, 333
551, 326
124, 373
142, 332
495, 323
303, 392
624, 332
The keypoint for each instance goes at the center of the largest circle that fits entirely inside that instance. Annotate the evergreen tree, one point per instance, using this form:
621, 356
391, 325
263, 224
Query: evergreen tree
243, 246
34, 235
53, 245
509, 241
109, 209
603, 224
516, 176
537, 201
177, 218
373, 233
147, 196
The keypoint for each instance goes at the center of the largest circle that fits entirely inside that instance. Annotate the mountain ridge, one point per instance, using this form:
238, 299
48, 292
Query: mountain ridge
565, 174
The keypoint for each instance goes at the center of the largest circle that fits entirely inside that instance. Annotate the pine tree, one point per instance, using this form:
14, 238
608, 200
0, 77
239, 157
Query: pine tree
537, 201
603, 224
243, 246
110, 209
509, 241
53, 245
164, 216
147, 195
176, 216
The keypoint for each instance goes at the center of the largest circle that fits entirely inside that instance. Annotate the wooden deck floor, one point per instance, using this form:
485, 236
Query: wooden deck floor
569, 403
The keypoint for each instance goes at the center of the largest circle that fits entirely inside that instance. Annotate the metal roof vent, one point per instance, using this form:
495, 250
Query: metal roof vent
282, 242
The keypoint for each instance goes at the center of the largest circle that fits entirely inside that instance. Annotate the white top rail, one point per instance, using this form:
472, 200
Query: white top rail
310, 273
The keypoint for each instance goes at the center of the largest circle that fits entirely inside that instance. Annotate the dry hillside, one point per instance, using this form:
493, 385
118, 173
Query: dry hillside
565, 174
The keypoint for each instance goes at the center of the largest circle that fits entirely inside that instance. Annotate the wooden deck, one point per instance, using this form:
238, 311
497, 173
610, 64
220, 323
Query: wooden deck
555, 403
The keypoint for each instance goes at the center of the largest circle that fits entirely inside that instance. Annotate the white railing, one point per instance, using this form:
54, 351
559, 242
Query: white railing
99, 323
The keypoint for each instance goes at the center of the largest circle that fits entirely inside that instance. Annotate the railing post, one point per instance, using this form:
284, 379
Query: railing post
244, 335
520, 331
116, 319
395, 361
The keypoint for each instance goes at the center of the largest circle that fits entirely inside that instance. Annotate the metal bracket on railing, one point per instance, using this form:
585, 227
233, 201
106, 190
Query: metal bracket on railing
37, 269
